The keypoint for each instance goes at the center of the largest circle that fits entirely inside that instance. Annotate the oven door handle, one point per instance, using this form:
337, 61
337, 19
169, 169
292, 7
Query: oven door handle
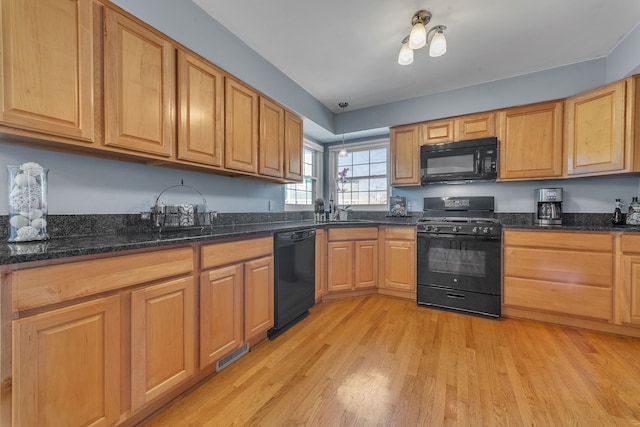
455, 296
468, 237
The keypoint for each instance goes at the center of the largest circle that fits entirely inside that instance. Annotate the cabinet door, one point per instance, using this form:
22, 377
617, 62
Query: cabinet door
201, 111
630, 301
531, 141
241, 128
405, 155
321, 264
66, 366
293, 147
140, 88
399, 265
594, 135
339, 266
473, 126
366, 262
220, 313
438, 131
258, 297
47, 66
271, 145
162, 338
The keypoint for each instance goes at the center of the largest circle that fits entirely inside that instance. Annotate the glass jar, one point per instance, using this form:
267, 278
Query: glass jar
633, 216
27, 202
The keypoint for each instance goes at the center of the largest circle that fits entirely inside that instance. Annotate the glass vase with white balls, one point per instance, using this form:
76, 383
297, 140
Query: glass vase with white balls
27, 202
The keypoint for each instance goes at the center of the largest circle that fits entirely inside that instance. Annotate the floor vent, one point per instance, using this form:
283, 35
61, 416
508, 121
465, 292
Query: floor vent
232, 357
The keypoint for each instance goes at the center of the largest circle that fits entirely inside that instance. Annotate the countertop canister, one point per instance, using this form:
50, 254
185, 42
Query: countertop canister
27, 202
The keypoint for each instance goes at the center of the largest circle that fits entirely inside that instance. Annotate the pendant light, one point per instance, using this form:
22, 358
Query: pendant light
343, 152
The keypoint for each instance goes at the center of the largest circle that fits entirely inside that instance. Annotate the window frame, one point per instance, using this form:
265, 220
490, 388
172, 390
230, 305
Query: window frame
318, 151
357, 146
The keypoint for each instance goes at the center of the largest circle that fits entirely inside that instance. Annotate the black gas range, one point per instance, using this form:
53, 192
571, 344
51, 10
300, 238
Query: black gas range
459, 255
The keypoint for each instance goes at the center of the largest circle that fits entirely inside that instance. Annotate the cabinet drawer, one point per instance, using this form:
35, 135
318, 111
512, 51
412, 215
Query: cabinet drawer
587, 301
362, 233
40, 286
400, 233
219, 254
630, 242
595, 242
559, 266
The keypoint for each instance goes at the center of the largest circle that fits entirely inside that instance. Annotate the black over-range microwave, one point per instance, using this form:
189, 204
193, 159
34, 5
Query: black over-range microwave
470, 160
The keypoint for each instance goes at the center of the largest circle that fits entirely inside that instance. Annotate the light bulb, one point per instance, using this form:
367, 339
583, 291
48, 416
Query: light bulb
438, 46
418, 36
343, 152
405, 57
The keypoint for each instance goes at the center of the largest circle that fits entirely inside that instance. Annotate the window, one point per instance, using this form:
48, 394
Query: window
361, 177
302, 195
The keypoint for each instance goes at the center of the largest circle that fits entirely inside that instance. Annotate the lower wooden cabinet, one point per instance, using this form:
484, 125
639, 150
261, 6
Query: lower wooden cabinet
352, 259
162, 338
220, 312
398, 261
66, 366
567, 273
629, 295
236, 296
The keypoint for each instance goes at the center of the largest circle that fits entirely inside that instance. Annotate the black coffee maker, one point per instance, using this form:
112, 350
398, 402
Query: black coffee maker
548, 206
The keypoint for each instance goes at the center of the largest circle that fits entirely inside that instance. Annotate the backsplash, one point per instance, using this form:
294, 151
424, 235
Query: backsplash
92, 225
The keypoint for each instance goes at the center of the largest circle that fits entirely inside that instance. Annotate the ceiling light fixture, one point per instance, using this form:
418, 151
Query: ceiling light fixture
343, 152
419, 37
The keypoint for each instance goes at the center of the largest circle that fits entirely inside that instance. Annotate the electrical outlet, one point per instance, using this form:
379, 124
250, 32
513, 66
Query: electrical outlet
270, 205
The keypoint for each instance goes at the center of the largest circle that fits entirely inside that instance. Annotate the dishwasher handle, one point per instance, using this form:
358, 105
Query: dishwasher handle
299, 236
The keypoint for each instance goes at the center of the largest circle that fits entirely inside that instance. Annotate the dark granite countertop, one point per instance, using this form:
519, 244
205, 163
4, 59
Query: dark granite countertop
120, 235
63, 247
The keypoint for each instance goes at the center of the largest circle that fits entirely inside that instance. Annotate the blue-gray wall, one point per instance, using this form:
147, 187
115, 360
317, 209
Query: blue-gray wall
79, 184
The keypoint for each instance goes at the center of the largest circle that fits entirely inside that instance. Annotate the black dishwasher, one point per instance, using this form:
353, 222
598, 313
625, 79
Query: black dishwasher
295, 272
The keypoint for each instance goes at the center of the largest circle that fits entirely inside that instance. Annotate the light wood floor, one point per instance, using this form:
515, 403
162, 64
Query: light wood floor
379, 361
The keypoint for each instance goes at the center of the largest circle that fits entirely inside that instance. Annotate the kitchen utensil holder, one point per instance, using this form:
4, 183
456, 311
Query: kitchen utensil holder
180, 216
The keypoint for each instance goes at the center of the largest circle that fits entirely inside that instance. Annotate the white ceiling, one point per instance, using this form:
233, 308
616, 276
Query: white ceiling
346, 50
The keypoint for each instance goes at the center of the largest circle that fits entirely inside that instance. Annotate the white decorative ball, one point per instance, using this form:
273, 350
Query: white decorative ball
25, 180
31, 168
19, 221
39, 223
33, 214
27, 233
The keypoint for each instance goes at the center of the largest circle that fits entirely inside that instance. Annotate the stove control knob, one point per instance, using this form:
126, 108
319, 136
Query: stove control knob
427, 228
475, 230
456, 228
435, 229
485, 230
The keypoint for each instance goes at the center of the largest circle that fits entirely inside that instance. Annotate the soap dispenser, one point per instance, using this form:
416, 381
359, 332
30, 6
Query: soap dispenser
617, 214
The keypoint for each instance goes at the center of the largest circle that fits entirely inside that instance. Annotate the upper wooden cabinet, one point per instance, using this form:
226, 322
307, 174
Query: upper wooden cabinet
241, 129
293, 147
437, 131
47, 74
405, 154
595, 131
140, 88
201, 111
271, 145
472, 126
531, 141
